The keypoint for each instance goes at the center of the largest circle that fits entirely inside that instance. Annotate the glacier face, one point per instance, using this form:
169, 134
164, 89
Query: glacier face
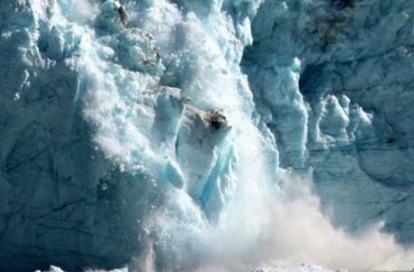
141, 131
334, 84
122, 136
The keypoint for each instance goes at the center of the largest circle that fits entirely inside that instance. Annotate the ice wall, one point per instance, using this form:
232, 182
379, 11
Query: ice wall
333, 81
125, 132
129, 134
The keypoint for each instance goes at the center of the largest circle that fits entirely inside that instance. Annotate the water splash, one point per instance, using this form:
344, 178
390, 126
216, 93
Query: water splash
223, 201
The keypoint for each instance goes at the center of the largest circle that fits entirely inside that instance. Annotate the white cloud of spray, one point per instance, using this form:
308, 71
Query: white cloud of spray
261, 228
285, 234
295, 230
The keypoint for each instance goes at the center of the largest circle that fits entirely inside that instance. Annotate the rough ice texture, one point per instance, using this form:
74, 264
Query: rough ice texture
114, 136
335, 86
108, 149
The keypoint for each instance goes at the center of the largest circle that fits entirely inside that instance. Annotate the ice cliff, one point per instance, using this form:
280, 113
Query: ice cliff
334, 85
139, 132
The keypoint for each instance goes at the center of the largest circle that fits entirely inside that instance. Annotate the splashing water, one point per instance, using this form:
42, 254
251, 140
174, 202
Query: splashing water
213, 196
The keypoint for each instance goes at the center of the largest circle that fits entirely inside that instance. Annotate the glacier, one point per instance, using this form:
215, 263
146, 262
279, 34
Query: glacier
175, 135
344, 78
